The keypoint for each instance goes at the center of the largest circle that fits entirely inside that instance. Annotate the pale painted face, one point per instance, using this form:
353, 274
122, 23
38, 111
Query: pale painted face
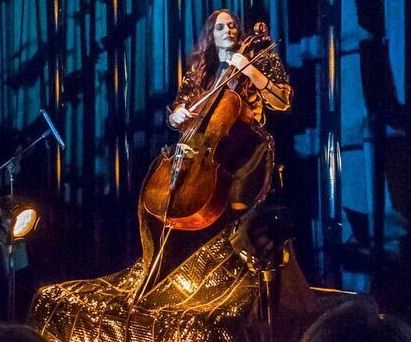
225, 32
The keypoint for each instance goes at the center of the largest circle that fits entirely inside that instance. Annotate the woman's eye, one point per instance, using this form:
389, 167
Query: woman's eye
219, 27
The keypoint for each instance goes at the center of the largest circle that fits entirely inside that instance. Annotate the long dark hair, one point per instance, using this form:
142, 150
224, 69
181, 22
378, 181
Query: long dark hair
204, 58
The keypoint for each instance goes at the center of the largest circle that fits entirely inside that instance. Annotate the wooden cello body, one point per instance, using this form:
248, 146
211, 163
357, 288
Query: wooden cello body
190, 189
201, 190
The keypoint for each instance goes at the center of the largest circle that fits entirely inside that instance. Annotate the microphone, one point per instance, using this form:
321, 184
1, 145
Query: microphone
52, 129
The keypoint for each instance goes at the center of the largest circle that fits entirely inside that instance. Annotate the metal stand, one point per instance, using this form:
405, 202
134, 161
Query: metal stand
11, 279
21, 153
269, 281
269, 288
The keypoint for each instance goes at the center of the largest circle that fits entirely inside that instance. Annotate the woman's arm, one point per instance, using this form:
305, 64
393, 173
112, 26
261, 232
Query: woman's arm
269, 78
186, 92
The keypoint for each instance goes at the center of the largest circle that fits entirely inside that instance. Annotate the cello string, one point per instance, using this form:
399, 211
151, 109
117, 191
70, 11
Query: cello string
178, 156
257, 56
192, 129
175, 170
163, 239
156, 266
177, 163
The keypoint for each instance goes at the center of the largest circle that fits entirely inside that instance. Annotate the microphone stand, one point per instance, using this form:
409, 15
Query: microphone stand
21, 153
11, 279
269, 279
269, 291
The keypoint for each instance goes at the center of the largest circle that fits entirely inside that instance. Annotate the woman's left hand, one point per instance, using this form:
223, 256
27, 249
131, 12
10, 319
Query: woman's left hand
256, 76
240, 61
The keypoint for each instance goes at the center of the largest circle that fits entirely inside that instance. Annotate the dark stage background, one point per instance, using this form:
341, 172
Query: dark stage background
105, 70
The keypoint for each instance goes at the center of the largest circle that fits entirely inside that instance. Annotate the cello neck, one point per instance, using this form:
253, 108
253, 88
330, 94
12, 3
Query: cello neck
235, 74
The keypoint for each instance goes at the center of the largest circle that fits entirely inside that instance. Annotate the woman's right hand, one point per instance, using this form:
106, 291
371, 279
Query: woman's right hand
179, 116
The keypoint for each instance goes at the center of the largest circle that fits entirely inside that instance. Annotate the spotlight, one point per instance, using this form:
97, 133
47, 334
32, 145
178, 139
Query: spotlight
17, 216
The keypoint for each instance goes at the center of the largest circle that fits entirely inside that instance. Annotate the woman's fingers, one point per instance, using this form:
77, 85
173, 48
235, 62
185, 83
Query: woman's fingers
238, 60
185, 113
179, 116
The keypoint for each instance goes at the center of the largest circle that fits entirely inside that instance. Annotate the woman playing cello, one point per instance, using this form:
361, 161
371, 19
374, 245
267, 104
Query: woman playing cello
200, 289
216, 49
262, 84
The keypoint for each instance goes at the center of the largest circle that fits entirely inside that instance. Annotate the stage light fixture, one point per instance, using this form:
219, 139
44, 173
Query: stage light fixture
17, 216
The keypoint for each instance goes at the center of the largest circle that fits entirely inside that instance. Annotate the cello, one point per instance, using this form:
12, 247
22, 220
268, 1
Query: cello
189, 189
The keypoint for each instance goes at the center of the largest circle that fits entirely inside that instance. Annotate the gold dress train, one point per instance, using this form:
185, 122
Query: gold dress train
210, 296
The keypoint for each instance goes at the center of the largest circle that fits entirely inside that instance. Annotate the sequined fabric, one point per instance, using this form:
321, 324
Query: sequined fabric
271, 66
205, 299
209, 297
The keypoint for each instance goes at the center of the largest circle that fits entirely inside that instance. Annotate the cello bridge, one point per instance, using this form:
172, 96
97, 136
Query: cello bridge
184, 150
